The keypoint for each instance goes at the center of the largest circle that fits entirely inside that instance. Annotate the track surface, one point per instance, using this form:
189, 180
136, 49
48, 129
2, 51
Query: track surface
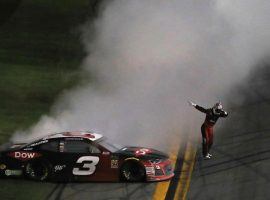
56, 191
102, 191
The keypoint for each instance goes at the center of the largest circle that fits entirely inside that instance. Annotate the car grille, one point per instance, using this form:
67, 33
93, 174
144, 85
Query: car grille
158, 172
168, 169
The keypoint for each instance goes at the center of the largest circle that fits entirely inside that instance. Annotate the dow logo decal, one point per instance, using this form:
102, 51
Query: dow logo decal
24, 155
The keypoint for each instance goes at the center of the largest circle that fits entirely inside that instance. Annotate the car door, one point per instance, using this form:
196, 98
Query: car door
84, 160
50, 150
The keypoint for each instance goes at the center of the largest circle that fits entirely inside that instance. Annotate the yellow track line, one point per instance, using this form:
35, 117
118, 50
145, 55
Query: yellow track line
162, 187
186, 172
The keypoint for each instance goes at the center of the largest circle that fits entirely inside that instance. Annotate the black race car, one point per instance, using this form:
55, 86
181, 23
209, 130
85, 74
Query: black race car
82, 156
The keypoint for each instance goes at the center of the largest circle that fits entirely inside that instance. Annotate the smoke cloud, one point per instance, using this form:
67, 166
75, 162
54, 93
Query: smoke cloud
149, 57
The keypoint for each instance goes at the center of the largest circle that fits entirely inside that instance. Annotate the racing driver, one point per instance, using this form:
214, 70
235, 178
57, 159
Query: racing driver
212, 115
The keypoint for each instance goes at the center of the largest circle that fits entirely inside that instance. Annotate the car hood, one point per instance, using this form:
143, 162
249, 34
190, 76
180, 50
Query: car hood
11, 146
142, 152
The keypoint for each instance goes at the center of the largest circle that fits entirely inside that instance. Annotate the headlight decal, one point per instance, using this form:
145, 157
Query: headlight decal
150, 170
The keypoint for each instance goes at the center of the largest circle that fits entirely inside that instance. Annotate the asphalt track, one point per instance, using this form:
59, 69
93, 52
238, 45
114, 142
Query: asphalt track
101, 191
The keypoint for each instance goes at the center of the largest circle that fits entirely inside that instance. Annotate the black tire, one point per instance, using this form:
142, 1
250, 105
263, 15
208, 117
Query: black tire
38, 170
132, 171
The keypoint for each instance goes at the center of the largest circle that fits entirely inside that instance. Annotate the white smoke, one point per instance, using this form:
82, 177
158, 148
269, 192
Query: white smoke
149, 57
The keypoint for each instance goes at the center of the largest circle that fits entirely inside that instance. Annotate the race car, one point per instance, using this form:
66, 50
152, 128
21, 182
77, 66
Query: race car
82, 156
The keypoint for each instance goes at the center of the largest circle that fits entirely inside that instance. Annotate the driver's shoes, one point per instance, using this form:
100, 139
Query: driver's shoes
208, 156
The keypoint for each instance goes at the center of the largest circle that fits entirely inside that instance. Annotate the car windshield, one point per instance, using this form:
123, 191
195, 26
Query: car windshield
111, 147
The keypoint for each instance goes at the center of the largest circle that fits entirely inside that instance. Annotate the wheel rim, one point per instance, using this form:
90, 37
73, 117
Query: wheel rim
133, 172
37, 171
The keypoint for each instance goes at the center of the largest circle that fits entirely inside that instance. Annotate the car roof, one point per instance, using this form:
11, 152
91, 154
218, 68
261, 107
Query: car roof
78, 134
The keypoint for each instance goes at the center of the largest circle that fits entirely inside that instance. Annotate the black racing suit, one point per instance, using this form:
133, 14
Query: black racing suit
208, 125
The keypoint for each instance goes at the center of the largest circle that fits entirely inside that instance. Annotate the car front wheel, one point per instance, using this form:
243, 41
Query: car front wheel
38, 170
132, 171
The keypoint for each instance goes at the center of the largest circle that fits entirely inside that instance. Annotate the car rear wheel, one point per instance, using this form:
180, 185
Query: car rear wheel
132, 171
38, 170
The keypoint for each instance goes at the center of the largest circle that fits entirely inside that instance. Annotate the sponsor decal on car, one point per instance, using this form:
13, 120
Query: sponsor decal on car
24, 156
10, 172
88, 165
61, 147
28, 149
38, 143
59, 168
150, 170
158, 167
143, 151
114, 164
3, 166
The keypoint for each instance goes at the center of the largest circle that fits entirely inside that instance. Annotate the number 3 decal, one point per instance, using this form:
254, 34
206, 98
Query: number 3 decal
87, 168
